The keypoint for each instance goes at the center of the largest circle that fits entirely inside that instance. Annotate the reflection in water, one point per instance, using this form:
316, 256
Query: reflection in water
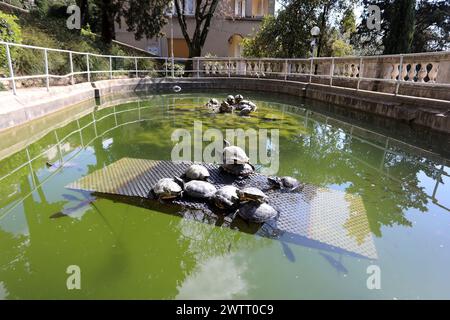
336, 264
3, 291
219, 277
126, 251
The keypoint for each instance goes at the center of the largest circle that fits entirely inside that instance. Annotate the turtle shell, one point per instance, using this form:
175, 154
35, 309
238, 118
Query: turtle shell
234, 154
197, 172
226, 197
167, 188
241, 170
252, 194
257, 212
199, 189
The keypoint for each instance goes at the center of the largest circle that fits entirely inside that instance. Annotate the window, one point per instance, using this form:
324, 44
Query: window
239, 8
189, 7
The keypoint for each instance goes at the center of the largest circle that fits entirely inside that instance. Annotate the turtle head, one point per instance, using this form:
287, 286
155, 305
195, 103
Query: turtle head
226, 143
179, 181
274, 181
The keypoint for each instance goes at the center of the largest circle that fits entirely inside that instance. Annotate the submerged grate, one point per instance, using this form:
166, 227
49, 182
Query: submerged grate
315, 217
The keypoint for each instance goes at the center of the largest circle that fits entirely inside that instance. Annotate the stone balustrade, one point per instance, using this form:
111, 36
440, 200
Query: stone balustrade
397, 74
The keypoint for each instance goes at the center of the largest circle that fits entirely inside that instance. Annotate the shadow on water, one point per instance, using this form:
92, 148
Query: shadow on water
265, 230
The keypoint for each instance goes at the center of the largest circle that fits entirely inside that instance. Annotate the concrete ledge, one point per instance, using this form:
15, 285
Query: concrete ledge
30, 104
33, 103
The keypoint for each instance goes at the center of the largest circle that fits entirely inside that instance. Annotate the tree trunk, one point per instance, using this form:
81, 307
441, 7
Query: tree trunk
195, 50
84, 8
107, 28
323, 25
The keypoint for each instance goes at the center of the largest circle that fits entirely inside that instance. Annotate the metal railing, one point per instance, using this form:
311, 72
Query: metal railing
405, 74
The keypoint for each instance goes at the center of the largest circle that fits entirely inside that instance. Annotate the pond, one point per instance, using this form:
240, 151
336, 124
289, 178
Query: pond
125, 251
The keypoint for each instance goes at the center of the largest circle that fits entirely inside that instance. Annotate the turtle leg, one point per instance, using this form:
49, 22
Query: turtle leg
229, 218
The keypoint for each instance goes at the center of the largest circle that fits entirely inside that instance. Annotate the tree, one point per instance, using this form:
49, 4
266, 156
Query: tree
144, 18
288, 34
328, 7
401, 27
84, 10
431, 30
203, 13
109, 10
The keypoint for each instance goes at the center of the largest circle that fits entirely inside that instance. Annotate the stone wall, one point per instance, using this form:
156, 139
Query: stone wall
422, 111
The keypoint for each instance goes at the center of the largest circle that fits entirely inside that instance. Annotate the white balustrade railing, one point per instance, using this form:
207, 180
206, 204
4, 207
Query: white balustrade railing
385, 73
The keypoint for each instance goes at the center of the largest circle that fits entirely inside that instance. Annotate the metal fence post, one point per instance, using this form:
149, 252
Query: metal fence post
136, 67
47, 78
173, 67
400, 70
285, 69
198, 67
11, 69
71, 68
88, 70
110, 68
331, 72
359, 73
165, 64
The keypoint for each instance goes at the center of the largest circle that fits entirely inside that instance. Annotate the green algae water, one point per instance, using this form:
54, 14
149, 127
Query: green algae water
126, 251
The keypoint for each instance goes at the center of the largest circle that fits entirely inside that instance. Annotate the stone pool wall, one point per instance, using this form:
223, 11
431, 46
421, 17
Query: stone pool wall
35, 103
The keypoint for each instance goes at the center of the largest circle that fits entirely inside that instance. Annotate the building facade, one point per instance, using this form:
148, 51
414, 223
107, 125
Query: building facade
234, 20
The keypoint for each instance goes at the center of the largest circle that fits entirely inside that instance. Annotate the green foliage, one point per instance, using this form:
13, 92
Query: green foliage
10, 31
42, 7
348, 22
401, 30
144, 18
431, 30
341, 48
287, 35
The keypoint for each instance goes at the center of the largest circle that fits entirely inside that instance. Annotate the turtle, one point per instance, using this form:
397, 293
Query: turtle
212, 103
239, 106
252, 105
248, 103
233, 154
225, 107
230, 100
168, 188
238, 98
196, 172
257, 212
240, 170
199, 189
252, 194
285, 183
226, 197
246, 111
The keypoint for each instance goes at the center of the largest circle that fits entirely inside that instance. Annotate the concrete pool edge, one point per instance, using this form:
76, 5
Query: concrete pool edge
35, 103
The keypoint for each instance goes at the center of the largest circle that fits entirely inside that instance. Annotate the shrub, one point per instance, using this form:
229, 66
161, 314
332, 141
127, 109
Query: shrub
10, 31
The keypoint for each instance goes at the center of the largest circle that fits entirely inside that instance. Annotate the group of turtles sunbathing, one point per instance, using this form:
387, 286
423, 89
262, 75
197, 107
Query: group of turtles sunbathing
232, 104
250, 202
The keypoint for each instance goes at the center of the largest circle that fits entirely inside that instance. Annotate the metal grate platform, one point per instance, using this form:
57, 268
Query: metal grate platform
315, 217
